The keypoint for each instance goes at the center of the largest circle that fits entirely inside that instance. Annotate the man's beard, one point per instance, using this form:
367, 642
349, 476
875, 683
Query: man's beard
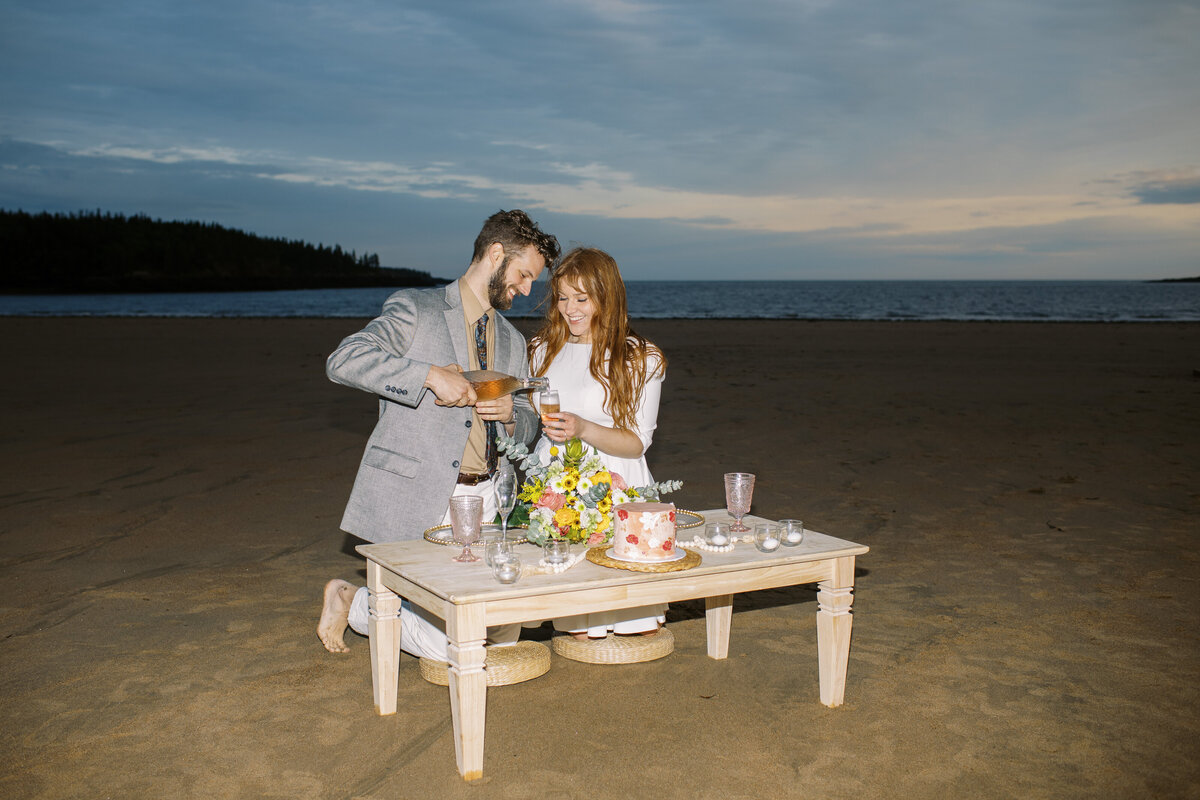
497, 290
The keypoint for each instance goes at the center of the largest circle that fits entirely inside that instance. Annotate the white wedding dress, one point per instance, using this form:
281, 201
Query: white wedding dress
581, 394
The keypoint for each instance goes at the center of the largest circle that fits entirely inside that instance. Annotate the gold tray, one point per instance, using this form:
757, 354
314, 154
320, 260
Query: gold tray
442, 534
687, 519
597, 555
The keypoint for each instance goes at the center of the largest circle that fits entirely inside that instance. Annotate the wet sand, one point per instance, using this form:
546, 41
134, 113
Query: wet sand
1025, 623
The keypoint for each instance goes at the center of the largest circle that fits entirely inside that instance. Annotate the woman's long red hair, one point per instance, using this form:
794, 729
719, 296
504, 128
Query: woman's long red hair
620, 357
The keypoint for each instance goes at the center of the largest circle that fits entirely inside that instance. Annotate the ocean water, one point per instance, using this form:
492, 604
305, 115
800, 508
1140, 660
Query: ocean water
1038, 301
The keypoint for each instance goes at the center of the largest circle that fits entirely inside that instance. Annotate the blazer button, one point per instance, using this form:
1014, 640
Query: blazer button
455, 465
468, 423
404, 391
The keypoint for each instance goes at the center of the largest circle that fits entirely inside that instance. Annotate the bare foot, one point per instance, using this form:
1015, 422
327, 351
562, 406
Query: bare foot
338, 596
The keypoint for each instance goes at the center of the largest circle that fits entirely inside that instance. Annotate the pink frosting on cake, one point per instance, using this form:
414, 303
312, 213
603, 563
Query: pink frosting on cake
644, 532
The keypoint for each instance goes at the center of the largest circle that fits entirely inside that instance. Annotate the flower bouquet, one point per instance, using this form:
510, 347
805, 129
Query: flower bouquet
572, 497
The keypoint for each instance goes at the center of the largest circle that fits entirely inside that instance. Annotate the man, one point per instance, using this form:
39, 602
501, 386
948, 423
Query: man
431, 439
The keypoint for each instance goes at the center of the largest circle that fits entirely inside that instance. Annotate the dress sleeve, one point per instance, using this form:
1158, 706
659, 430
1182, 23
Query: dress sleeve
647, 413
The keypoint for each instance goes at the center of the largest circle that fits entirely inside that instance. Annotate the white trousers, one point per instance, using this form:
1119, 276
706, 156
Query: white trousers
625, 620
422, 633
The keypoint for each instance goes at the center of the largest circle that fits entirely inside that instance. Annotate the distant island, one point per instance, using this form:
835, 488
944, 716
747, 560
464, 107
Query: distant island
1177, 280
96, 252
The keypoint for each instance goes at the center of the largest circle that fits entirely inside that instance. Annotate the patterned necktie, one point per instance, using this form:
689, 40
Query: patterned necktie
489, 450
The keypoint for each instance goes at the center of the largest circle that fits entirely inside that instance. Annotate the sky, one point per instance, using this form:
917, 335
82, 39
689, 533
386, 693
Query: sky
692, 139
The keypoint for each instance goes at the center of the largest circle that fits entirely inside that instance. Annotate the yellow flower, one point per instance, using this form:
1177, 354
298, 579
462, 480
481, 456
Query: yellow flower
604, 524
605, 505
553, 450
565, 517
602, 476
569, 481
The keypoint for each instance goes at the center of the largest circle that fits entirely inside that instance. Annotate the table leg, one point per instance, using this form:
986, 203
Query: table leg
834, 620
718, 611
468, 687
383, 625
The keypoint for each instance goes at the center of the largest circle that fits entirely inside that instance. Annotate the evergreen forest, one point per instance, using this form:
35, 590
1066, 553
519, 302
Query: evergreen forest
96, 252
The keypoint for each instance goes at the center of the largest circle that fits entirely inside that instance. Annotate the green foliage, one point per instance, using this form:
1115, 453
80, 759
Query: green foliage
105, 252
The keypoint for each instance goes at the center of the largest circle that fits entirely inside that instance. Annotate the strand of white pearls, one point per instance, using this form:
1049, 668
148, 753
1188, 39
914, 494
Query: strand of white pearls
543, 568
700, 544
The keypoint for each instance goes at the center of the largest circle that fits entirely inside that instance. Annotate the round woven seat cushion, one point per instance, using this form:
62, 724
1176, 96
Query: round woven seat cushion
614, 649
505, 665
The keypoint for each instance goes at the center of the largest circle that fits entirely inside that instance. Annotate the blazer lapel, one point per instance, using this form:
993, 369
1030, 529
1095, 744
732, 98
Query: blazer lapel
503, 347
456, 325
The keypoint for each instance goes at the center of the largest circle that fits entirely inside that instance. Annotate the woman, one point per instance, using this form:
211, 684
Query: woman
609, 380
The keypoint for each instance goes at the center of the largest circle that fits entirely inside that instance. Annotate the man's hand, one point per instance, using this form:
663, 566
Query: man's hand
449, 386
498, 410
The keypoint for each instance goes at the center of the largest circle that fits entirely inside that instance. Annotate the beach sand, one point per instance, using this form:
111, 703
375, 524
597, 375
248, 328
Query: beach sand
1025, 623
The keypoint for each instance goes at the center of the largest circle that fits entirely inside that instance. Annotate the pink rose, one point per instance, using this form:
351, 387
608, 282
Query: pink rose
618, 482
551, 500
595, 539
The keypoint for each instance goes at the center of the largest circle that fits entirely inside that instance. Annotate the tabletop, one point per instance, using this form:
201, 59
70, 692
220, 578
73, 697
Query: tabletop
430, 566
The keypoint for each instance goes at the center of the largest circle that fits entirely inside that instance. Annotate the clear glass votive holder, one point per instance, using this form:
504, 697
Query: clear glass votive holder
717, 534
494, 547
791, 532
556, 551
506, 567
766, 538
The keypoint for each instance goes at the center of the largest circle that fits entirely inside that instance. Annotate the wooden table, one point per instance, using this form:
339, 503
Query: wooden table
469, 600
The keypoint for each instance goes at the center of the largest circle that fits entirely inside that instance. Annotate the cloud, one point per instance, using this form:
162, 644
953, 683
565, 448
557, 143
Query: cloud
598, 191
1168, 187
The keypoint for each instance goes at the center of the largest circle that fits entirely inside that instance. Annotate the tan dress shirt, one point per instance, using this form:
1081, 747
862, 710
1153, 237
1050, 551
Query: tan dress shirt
474, 460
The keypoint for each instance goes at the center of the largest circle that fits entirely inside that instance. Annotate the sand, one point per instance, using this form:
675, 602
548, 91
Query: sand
1025, 623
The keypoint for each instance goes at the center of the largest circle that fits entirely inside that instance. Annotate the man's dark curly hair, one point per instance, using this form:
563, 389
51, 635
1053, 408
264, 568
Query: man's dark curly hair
516, 231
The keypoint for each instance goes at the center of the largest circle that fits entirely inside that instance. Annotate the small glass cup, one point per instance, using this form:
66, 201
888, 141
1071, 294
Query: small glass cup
717, 534
791, 532
766, 538
506, 567
556, 551
495, 548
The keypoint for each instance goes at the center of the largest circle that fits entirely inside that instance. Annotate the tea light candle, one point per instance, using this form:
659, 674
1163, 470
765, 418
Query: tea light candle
719, 539
792, 531
507, 570
766, 538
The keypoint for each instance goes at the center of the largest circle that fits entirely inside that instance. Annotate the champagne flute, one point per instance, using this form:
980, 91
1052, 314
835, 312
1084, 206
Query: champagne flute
548, 403
505, 486
466, 518
739, 488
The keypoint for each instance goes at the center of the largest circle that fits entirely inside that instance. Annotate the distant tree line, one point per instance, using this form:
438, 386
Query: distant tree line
105, 252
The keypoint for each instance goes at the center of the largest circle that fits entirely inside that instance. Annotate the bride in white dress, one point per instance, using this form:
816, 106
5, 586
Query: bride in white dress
609, 380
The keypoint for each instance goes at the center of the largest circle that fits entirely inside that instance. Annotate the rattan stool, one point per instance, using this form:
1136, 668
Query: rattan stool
614, 649
505, 665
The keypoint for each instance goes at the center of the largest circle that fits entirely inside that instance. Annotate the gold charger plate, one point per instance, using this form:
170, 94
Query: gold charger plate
442, 534
687, 519
597, 555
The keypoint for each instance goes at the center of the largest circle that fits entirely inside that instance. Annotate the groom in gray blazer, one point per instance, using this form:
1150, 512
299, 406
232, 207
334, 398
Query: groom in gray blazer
429, 441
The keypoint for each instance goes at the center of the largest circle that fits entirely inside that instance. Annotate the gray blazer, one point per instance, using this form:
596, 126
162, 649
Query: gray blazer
409, 469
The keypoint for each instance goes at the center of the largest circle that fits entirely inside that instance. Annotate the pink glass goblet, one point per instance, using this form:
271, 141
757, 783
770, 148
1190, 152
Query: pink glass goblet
739, 488
466, 521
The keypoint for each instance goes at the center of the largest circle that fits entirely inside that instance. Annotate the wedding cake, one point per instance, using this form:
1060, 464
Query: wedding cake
644, 532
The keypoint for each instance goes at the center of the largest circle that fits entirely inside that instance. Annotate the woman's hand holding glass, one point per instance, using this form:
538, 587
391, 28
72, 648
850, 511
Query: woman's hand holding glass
563, 425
